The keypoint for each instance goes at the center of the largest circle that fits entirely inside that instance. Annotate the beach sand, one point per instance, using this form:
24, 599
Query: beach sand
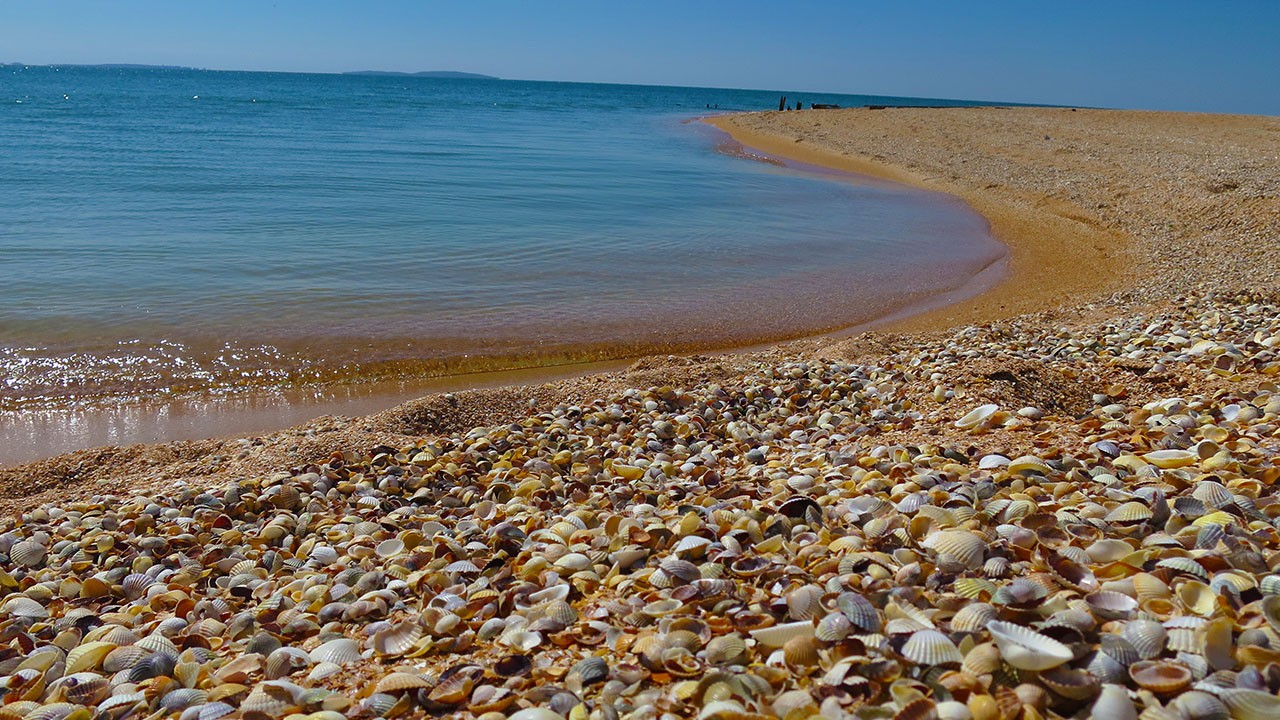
1090, 202
1120, 385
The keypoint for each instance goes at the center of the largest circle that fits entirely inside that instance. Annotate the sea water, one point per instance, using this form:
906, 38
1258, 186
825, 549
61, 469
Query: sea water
175, 233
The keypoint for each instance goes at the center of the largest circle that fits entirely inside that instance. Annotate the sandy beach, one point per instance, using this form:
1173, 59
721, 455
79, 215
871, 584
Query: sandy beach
636, 538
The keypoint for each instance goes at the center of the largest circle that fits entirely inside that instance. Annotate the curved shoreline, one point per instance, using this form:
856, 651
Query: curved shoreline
1044, 269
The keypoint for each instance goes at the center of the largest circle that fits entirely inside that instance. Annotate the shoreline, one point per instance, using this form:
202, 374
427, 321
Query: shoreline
1043, 244
45, 431
1031, 197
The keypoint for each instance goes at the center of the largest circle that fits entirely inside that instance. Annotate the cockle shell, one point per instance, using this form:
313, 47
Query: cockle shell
1027, 649
964, 546
930, 647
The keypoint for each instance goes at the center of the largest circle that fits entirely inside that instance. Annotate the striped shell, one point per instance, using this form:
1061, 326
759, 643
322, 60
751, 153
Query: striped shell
930, 647
1147, 637
967, 548
397, 639
88, 656
28, 553
339, 652
726, 650
1027, 649
973, 618
776, 636
1130, 512
400, 681
833, 627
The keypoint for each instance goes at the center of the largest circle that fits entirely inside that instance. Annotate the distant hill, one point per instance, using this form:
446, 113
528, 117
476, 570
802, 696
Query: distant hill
427, 74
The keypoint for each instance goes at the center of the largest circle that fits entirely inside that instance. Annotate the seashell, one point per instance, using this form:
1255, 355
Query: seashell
88, 656
973, 617
1246, 704
135, 585
1162, 677
930, 647
1147, 638
804, 602
996, 567
1171, 459
83, 688
833, 628
285, 661
1186, 566
182, 698
590, 670
1071, 683
726, 650
776, 636
1072, 574
396, 639
1114, 703
340, 651
158, 644
1130, 512
389, 548
379, 704
400, 682
801, 652
213, 711
28, 553
1200, 705
976, 417
1026, 649
968, 549
1111, 605
24, 607
860, 612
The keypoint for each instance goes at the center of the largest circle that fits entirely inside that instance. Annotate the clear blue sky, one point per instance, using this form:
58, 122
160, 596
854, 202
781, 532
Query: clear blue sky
1206, 55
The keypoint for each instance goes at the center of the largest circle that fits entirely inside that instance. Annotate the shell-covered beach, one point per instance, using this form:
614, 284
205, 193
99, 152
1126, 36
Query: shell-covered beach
1054, 500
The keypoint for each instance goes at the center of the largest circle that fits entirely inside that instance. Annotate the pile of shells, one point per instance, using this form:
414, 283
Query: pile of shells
810, 541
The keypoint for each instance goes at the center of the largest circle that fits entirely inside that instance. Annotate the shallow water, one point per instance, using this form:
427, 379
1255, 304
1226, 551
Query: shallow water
196, 234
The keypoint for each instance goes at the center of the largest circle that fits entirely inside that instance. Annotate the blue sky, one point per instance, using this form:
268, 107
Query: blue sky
1206, 56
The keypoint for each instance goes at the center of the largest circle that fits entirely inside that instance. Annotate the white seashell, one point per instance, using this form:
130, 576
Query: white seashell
1113, 703
338, 652
977, 416
964, 546
1027, 649
930, 647
775, 636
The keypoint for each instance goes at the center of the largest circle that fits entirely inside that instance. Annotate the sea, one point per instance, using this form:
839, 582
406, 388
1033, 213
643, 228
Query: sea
175, 238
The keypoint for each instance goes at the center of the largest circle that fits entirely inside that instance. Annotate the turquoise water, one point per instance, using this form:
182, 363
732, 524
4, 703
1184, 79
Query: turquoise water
178, 231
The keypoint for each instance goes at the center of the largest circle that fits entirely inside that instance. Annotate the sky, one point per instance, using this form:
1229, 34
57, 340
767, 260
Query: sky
1211, 56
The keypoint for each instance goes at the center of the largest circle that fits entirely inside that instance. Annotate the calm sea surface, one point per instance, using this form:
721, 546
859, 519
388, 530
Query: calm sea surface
168, 232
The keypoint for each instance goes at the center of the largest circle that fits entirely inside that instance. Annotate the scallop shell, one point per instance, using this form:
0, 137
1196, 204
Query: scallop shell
1114, 703
776, 636
1111, 605
726, 650
860, 612
968, 549
1027, 649
833, 627
1251, 704
1130, 512
1184, 565
397, 639
88, 656
399, 682
1071, 683
973, 618
1162, 677
1201, 706
801, 652
24, 607
1171, 459
340, 651
977, 416
214, 711
28, 553
930, 647
1147, 638
805, 602
285, 661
